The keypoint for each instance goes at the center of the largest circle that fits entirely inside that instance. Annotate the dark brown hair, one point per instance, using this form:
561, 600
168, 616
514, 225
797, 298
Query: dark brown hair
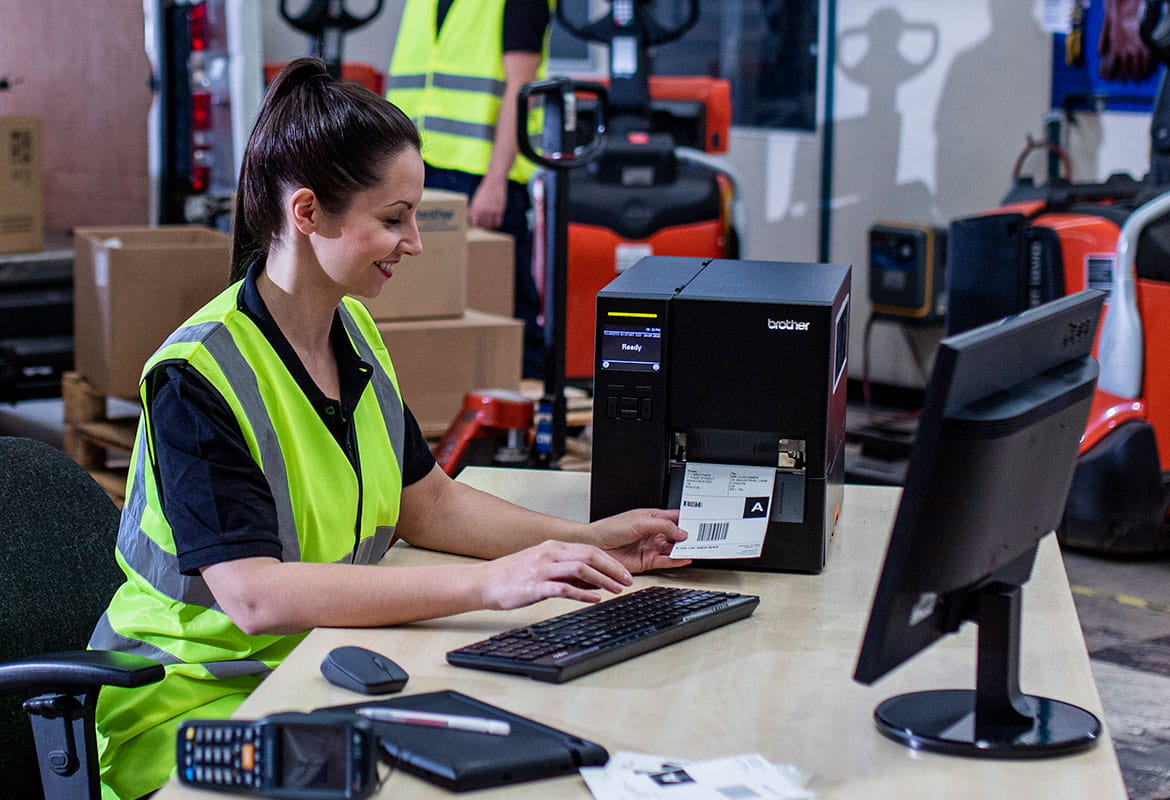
332, 137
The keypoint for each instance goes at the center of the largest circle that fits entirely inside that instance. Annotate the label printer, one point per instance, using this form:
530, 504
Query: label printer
725, 362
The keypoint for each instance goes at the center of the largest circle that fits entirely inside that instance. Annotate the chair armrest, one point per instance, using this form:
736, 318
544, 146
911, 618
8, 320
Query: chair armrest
78, 668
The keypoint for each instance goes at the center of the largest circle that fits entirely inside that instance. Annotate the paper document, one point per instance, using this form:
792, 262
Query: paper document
725, 510
635, 776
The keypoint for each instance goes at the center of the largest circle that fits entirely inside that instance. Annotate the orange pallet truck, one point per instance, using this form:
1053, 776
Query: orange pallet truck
651, 191
1048, 241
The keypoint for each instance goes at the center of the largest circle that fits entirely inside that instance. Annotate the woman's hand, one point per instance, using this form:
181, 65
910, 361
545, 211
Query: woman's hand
641, 539
551, 569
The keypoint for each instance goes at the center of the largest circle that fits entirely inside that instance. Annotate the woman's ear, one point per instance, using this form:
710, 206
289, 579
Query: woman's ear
304, 210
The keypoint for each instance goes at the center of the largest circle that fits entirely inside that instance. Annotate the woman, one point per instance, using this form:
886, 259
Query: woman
275, 461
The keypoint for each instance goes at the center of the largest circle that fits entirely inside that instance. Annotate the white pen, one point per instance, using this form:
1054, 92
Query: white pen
497, 727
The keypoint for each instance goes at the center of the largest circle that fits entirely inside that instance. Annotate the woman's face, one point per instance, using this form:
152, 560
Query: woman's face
358, 249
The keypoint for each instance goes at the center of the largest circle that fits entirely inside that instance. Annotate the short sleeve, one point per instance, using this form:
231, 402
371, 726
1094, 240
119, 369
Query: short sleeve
214, 494
525, 23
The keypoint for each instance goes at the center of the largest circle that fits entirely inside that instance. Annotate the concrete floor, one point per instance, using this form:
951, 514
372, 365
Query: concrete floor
1124, 608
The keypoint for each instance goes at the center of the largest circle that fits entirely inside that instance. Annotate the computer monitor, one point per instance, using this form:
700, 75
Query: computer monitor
989, 473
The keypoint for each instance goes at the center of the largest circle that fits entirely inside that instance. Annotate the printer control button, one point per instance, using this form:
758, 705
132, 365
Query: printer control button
629, 413
630, 403
642, 389
647, 407
611, 406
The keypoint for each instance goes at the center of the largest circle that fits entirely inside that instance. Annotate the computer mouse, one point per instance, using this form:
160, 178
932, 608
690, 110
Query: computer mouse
362, 670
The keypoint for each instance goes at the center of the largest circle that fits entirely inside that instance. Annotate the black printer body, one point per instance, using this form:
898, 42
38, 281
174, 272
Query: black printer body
725, 362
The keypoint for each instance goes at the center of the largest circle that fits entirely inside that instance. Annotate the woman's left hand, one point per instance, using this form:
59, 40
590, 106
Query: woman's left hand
641, 539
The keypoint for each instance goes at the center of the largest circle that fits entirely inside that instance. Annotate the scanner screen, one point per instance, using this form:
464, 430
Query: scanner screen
314, 756
635, 348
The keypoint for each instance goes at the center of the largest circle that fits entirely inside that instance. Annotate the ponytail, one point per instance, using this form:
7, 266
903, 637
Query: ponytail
332, 137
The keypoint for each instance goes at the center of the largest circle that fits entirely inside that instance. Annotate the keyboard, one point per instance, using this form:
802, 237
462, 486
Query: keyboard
586, 639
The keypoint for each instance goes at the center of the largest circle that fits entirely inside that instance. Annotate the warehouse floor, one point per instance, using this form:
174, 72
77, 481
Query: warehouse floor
1124, 608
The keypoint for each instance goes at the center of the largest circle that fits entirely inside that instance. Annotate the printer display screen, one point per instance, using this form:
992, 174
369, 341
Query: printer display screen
634, 348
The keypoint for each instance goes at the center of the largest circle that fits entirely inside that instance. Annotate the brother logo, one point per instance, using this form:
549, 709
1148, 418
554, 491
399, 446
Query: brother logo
787, 325
435, 219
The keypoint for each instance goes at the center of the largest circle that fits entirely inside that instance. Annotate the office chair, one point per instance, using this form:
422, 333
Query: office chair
57, 574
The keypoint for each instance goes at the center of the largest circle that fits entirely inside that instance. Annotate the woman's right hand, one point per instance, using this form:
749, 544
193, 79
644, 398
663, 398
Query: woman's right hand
551, 569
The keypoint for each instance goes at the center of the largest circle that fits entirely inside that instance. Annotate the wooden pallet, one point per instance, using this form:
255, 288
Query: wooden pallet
95, 440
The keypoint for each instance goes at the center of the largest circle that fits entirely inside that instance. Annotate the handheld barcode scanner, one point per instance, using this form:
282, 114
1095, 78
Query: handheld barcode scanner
317, 756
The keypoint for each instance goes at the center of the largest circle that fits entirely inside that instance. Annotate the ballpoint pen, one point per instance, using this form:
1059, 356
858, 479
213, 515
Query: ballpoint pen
497, 727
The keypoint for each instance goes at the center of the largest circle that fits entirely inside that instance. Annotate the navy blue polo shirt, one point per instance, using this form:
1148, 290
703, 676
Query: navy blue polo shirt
213, 492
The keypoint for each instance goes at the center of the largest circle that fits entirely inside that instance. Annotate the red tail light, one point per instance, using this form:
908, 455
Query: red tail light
198, 19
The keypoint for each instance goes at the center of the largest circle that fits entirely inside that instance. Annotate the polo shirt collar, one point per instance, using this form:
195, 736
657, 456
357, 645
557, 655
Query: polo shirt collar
353, 372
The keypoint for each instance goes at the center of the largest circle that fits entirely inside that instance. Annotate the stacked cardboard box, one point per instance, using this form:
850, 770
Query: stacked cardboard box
491, 277
132, 286
432, 315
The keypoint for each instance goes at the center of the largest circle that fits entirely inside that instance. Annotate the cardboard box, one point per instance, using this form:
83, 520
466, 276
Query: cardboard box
491, 272
132, 286
438, 361
434, 284
22, 213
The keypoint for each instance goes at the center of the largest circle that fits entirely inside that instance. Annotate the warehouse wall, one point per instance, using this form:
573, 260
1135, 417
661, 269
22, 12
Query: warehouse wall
82, 68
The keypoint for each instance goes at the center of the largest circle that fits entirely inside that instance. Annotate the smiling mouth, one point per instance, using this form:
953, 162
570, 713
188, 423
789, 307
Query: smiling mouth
386, 267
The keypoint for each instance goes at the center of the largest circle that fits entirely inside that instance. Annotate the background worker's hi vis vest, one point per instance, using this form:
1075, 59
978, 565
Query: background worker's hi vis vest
451, 85
326, 513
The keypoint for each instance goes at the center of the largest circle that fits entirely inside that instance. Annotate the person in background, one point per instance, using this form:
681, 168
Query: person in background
276, 463
456, 70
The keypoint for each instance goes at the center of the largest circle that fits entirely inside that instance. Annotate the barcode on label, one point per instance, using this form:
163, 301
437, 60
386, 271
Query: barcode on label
712, 531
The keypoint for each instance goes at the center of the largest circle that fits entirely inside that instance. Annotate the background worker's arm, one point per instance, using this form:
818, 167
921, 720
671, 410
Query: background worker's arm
486, 209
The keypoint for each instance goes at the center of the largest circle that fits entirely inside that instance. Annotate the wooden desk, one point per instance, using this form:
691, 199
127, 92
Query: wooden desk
778, 683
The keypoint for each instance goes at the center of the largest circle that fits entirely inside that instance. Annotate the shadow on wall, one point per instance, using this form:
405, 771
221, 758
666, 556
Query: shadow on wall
865, 184
976, 143
984, 112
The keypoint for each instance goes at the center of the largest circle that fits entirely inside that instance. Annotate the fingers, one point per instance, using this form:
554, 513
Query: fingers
666, 562
553, 569
585, 565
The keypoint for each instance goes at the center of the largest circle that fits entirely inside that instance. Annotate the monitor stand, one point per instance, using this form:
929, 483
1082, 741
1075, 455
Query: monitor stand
994, 720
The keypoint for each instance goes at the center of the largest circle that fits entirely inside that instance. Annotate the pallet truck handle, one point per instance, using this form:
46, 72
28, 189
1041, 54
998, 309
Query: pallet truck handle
326, 22
321, 14
655, 33
564, 93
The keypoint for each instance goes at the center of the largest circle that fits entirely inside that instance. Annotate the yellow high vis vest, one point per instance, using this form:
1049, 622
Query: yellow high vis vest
326, 512
451, 85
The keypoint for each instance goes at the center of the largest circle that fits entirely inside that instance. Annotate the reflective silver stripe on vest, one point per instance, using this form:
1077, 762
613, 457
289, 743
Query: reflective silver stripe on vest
144, 555
457, 127
371, 550
384, 391
233, 669
448, 80
406, 82
466, 83
106, 638
242, 379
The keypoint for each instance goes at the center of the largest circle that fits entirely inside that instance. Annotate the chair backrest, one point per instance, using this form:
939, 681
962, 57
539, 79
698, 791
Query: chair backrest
57, 574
